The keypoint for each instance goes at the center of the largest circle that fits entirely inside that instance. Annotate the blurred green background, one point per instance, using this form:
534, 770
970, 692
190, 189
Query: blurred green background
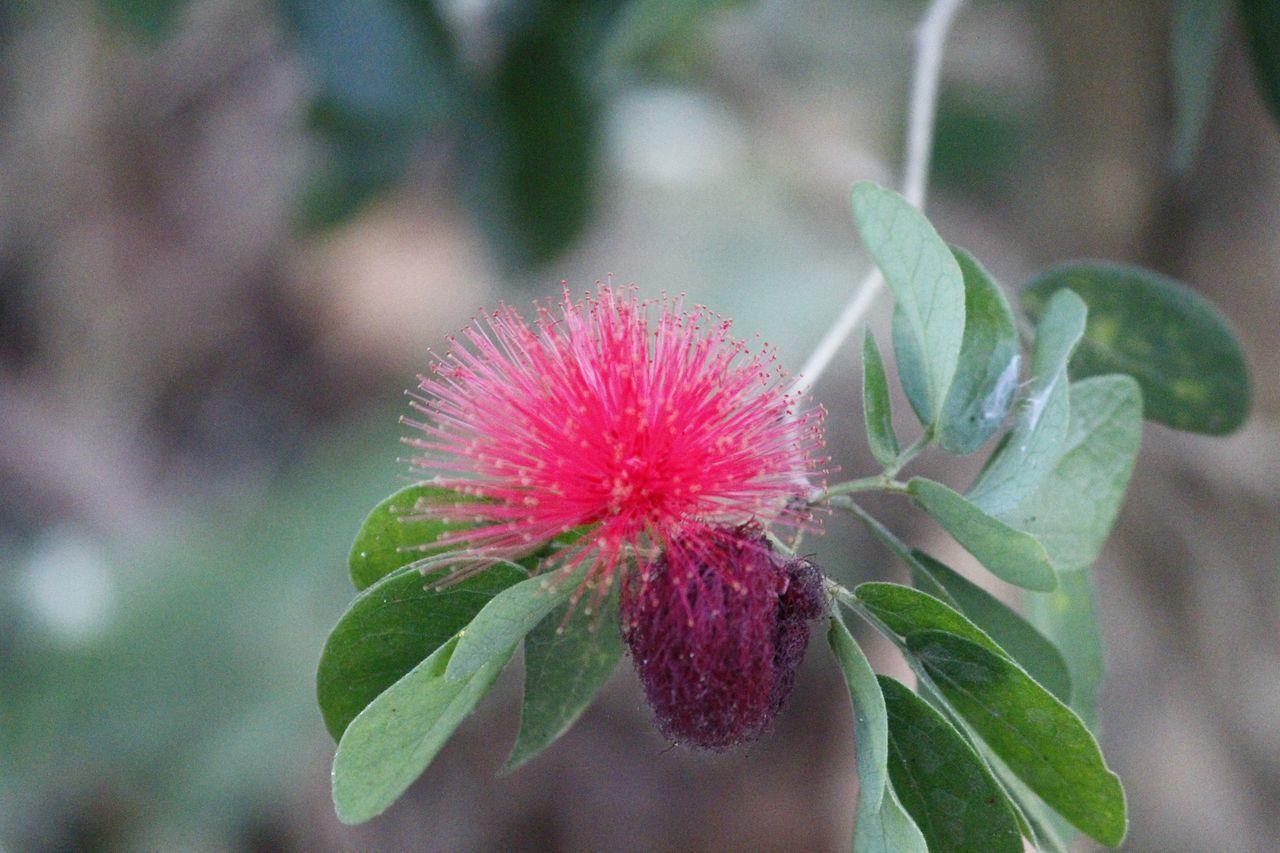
231, 230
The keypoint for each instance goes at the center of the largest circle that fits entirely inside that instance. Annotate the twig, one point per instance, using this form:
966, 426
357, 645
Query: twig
930, 38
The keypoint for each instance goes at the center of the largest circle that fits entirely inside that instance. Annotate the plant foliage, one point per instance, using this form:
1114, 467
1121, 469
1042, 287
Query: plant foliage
997, 745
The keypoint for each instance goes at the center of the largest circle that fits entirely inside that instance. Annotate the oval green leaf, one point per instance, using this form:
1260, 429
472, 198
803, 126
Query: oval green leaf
882, 824
390, 743
1076, 505
912, 371
1171, 339
926, 282
905, 611
382, 75
152, 19
1193, 56
1072, 513
390, 628
876, 408
391, 537
508, 616
1069, 616
987, 373
1260, 20
1033, 445
565, 665
1038, 737
941, 781
1009, 554
1014, 634
646, 29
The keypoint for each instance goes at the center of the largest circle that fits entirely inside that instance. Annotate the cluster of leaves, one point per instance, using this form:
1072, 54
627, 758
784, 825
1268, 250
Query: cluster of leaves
409, 660
520, 124
998, 743
388, 75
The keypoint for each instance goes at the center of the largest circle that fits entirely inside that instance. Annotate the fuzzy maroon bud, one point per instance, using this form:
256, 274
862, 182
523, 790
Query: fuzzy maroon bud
801, 600
717, 627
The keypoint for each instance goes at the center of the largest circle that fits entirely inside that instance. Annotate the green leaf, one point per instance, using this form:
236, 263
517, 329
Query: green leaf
926, 282
1197, 36
389, 628
1069, 617
1034, 443
508, 616
388, 539
393, 740
1260, 20
1009, 554
871, 722
644, 28
1072, 513
906, 611
1042, 825
354, 169
383, 76
534, 143
152, 19
1172, 340
981, 144
987, 373
1038, 737
1076, 505
374, 60
876, 409
913, 373
942, 782
1014, 634
882, 824
565, 665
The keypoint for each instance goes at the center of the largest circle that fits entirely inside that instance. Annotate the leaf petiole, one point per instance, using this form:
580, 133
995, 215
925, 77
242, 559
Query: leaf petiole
925, 439
878, 483
882, 482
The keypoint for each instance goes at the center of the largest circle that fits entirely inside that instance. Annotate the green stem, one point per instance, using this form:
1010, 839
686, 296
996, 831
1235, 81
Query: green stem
850, 599
910, 453
878, 483
884, 534
882, 482
777, 543
840, 591
900, 549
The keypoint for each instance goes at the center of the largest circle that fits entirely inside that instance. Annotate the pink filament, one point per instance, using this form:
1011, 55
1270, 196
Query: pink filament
605, 418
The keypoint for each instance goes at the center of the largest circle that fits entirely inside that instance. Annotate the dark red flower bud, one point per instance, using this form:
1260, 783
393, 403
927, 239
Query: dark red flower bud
717, 627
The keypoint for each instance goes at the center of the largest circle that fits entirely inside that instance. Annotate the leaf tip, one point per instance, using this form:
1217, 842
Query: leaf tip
517, 759
349, 806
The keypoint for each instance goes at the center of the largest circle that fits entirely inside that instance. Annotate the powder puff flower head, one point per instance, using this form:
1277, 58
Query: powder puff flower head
665, 445
614, 477
632, 422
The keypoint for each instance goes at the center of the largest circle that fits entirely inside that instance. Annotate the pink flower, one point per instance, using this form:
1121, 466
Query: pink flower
636, 422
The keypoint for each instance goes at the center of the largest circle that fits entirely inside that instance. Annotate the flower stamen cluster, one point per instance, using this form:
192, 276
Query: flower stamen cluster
627, 421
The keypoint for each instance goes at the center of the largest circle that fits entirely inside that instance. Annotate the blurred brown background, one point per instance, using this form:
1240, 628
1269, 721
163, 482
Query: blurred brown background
231, 229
